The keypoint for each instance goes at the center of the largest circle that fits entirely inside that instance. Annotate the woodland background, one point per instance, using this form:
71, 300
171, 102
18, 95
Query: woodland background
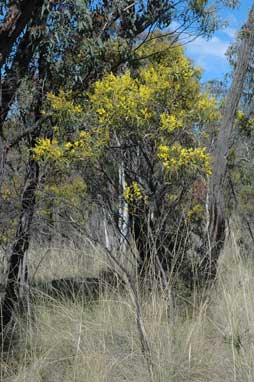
126, 194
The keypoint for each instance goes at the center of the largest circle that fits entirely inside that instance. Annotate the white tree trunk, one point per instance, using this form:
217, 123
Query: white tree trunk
123, 211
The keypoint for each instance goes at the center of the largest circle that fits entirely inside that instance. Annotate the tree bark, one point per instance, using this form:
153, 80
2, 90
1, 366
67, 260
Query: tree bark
19, 14
21, 243
217, 220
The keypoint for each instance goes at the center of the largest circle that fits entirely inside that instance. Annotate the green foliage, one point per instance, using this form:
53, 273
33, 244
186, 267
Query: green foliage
83, 40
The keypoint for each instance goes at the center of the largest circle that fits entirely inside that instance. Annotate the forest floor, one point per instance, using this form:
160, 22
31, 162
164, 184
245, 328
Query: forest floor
199, 338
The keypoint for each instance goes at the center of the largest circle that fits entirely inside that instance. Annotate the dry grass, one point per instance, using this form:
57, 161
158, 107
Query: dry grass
65, 260
212, 340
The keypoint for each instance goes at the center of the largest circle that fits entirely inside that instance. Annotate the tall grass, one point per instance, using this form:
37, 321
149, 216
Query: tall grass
200, 338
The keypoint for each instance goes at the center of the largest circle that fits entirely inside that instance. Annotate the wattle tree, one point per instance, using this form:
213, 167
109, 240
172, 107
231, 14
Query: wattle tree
142, 144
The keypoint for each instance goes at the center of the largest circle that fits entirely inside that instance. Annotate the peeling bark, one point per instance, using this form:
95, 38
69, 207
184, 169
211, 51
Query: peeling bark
217, 223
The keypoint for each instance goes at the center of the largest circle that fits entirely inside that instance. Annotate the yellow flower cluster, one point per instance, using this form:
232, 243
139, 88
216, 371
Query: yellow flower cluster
63, 102
195, 212
204, 103
240, 115
87, 145
206, 108
165, 96
47, 149
169, 122
114, 98
162, 103
243, 122
177, 157
133, 193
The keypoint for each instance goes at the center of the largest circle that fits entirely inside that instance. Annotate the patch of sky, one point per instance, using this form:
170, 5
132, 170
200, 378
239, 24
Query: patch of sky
210, 53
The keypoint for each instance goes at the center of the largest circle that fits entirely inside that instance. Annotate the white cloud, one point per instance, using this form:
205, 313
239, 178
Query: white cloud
230, 32
209, 54
215, 47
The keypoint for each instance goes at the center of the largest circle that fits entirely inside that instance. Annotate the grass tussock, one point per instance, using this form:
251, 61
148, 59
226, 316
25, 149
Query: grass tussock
201, 339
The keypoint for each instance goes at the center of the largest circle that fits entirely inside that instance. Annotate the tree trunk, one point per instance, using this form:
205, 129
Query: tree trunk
19, 15
217, 223
21, 243
139, 232
123, 210
152, 241
15, 283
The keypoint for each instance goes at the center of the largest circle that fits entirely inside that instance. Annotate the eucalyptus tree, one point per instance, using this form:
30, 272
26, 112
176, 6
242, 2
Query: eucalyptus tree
217, 221
240, 184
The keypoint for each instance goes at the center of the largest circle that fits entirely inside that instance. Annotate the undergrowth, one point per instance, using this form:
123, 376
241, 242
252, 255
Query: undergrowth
207, 338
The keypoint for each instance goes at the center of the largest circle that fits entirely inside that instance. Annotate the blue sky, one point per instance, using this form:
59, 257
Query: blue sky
210, 54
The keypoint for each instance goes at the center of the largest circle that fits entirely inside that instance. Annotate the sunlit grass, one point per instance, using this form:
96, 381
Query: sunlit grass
208, 340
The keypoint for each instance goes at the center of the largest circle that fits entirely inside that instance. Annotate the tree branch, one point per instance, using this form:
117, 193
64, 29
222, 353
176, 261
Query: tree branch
18, 16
